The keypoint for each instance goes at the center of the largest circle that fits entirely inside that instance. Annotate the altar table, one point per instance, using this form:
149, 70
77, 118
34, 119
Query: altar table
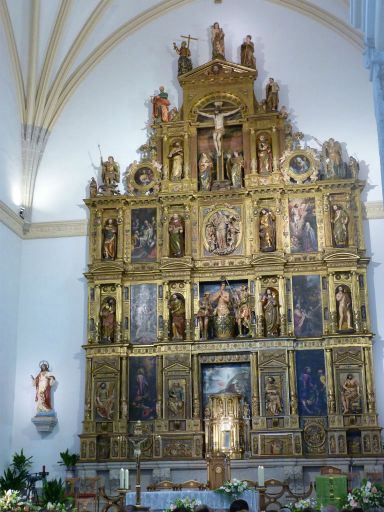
160, 500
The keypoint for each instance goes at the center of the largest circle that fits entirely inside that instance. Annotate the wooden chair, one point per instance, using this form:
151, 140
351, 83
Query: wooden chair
88, 496
193, 484
165, 485
330, 470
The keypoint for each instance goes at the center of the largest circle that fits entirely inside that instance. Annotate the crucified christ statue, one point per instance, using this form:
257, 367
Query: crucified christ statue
218, 118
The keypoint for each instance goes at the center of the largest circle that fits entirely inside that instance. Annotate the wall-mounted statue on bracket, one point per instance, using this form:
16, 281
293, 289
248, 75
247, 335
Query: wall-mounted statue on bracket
108, 320
176, 236
43, 383
176, 305
267, 230
110, 240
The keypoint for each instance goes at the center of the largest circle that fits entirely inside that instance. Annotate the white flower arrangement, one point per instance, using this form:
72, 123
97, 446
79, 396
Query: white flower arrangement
232, 488
186, 504
304, 504
367, 496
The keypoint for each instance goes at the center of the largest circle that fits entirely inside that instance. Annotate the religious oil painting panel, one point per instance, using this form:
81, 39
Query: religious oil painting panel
224, 310
144, 234
226, 378
307, 317
142, 388
302, 225
311, 383
143, 313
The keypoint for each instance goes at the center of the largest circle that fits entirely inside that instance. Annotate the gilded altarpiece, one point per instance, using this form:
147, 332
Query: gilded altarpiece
228, 290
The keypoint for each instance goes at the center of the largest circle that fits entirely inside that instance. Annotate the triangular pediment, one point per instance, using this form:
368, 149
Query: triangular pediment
217, 68
174, 367
339, 256
266, 259
105, 369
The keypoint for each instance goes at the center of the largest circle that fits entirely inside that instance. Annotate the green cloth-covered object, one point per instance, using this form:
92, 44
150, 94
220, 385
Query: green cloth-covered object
331, 489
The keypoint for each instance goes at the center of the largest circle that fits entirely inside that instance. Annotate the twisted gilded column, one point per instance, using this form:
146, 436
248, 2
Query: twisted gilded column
330, 382
292, 382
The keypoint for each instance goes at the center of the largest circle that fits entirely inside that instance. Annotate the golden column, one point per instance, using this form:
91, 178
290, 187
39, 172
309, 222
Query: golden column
355, 300
327, 221
165, 237
196, 386
193, 154
371, 402
283, 316
159, 379
165, 151
187, 231
187, 168
330, 381
332, 302
253, 151
279, 224
275, 149
120, 234
119, 311
97, 306
124, 387
88, 414
292, 382
99, 235
259, 310
256, 224
188, 310
359, 218
255, 406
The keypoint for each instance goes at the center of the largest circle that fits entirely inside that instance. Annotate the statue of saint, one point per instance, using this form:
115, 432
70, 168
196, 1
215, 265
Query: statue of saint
176, 400
270, 305
218, 119
176, 306
223, 316
248, 53
273, 403
344, 308
222, 232
104, 400
93, 187
110, 175
217, 39
264, 154
176, 236
108, 320
350, 393
340, 226
354, 167
204, 314
205, 171
185, 62
176, 157
235, 166
272, 94
43, 383
334, 164
243, 310
267, 230
110, 240
161, 104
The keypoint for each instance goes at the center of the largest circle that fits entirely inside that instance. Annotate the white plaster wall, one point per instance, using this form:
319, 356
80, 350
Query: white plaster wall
10, 131
375, 249
10, 253
51, 327
322, 78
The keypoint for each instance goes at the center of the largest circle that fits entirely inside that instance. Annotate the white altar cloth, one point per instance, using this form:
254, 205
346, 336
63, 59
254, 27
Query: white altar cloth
160, 500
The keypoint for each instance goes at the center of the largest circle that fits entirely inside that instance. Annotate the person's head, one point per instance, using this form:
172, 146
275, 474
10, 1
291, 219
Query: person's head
161, 88
349, 376
184, 43
357, 509
44, 366
216, 25
202, 508
335, 207
271, 380
271, 80
307, 369
238, 505
248, 38
110, 159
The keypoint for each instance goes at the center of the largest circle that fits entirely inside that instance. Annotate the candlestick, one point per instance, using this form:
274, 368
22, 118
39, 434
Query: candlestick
126, 479
121, 478
260, 476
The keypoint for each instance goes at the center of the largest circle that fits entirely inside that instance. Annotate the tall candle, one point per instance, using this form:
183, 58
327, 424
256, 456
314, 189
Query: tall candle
121, 478
260, 476
126, 479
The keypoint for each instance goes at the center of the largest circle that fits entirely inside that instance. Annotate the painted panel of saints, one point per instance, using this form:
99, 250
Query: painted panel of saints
302, 225
308, 314
143, 314
105, 396
222, 231
311, 383
142, 388
226, 378
144, 234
